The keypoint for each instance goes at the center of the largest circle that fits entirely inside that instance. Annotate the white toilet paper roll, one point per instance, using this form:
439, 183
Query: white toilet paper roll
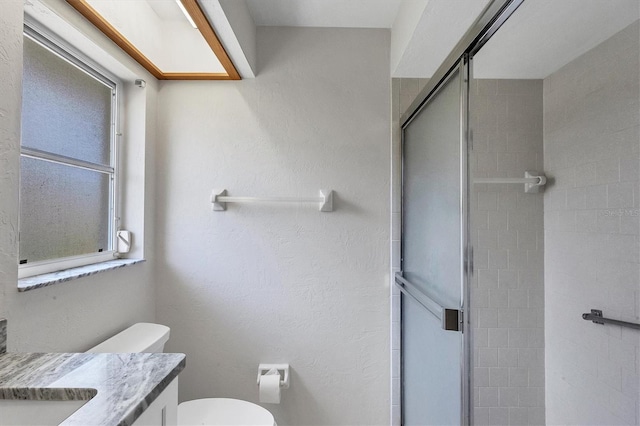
270, 388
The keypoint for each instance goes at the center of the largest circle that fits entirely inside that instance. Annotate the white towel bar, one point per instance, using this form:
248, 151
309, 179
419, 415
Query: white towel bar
219, 198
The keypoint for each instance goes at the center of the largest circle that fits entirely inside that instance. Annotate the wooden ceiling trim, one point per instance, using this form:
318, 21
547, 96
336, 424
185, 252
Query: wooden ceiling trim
205, 28
207, 31
110, 31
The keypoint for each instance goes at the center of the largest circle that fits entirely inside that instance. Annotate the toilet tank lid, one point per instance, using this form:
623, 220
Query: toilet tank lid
140, 337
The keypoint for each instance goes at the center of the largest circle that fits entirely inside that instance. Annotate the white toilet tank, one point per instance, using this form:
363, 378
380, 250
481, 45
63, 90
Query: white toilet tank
140, 337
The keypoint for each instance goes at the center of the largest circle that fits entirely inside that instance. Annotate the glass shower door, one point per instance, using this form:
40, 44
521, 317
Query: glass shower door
432, 263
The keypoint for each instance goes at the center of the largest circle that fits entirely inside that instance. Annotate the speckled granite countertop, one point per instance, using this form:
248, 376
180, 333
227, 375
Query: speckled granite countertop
119, 387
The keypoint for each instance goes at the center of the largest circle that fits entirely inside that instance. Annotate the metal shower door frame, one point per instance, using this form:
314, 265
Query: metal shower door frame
495, 14
461, 71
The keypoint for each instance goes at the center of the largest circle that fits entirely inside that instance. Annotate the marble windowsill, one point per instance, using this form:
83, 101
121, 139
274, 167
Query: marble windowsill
44, 280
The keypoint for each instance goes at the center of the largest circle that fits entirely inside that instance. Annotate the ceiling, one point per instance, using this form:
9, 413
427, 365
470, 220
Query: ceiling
440, 23
541, 36
441, 26
324, 13
544, 35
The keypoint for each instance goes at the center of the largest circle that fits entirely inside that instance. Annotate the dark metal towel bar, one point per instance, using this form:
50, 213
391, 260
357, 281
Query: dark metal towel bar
597, 318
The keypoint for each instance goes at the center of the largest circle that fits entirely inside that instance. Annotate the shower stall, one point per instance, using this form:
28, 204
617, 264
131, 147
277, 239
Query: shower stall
517, 192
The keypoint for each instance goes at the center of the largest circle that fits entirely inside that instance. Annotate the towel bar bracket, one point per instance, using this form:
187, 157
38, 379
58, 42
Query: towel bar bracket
215, 204
534, 188
596, 313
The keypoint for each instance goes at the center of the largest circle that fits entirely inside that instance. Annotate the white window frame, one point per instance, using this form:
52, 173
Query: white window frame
65, 51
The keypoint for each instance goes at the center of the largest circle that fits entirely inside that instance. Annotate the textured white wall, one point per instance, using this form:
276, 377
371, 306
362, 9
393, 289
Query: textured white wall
282, 283
70, 316
591, 150
10, 100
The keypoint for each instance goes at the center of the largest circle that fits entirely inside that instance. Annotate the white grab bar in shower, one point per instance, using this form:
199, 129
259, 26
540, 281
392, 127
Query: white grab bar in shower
532, 181
219, 198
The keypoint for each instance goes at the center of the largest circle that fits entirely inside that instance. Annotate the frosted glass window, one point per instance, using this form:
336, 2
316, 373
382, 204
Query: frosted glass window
66, 171
65, 111
64, 211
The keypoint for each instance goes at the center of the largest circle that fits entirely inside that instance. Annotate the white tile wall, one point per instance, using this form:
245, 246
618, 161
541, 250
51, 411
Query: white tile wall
507, 232
591, 146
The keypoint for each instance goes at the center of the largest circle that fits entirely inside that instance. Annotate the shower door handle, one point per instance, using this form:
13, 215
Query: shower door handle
450, 319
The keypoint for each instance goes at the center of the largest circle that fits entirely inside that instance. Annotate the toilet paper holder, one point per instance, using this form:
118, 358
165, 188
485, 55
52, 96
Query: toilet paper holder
282, 369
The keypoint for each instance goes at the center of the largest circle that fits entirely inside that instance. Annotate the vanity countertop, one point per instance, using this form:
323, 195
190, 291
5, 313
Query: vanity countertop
118, 387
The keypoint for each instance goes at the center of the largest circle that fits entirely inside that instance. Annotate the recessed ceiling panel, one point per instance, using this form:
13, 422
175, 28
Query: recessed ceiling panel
172, 39
168, 41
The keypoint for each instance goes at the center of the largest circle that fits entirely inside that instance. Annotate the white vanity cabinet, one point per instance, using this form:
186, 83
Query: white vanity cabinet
164, 410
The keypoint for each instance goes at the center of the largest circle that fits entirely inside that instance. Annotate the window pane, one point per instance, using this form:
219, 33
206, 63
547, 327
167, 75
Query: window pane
65, 111
64, 211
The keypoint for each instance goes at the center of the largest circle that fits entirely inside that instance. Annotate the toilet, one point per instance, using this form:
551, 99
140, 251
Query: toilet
148, 337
